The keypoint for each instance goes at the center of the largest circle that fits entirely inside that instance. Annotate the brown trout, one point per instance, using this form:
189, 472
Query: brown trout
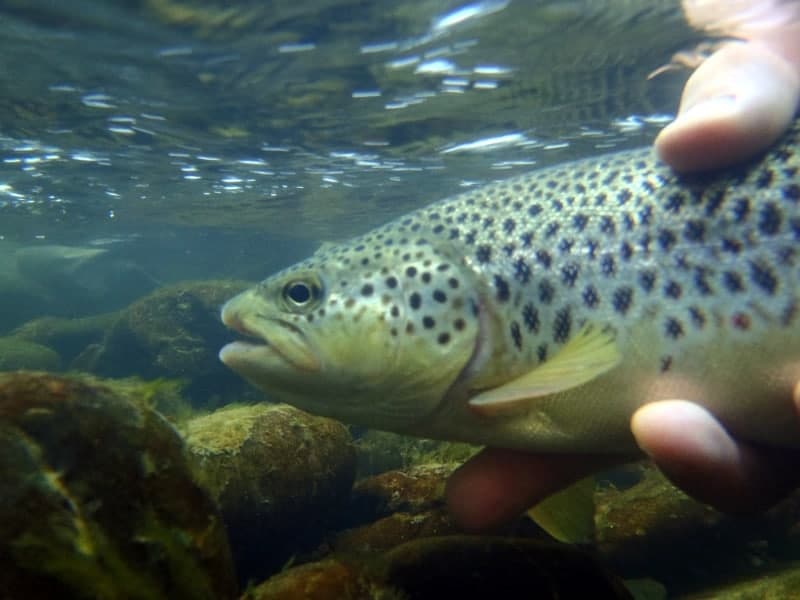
539, 312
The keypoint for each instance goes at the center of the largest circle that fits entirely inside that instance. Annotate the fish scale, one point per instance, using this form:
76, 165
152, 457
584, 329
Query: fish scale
687, 276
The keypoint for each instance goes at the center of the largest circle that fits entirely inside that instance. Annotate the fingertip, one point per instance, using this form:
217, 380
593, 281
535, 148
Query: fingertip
734, 106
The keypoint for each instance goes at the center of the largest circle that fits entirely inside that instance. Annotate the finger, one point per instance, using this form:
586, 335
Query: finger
696, 452
734, 106
496, 485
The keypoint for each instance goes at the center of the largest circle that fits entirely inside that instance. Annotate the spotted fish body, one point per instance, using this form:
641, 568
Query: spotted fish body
441, 322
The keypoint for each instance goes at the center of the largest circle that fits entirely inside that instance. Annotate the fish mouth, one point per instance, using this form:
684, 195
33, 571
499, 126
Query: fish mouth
270, 344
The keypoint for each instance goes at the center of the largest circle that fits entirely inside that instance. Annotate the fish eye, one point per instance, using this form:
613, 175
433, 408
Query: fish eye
300, 294
297, 292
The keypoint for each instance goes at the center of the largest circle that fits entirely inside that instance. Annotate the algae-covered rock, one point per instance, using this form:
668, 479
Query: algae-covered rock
782, 583
329, 579
17, 353
411, 490
391, 531
68, 337
451, 567
653, 529
174, 332
380, 451
279, 475
97, 499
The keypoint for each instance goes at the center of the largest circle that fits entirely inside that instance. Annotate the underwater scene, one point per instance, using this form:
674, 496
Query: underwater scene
273, 275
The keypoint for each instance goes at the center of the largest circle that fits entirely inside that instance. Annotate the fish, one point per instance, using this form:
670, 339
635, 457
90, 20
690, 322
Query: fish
539, 312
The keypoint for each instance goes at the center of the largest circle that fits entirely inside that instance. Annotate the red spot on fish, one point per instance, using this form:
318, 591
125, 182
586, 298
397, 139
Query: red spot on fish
741, 321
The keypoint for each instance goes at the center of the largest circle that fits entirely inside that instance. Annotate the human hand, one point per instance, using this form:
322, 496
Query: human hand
689, 445
746, 94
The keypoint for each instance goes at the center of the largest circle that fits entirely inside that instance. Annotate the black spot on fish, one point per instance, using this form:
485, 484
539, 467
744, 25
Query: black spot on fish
415, 300
579, 222
483, 254
697, 316
443, 338
453, 283
647, 280
526, 239
713, 202
502, 289
590, 297
391, 282
569, 274
694, 231
791, 192
552, 229
531, 317
395, 312
607, 225
731, 246
367, 289
541, 352
675, 202
623, 196
364, 262
673, 328
534, 209
591, 248
666, 239
426, 277
740, 210
763, 277
459, 324
562, 325
625, 251
732, 281
666, 363
439, 296
508, 226
769, 219
565, 245
608, 266
411, 272
628, 222
428, 322
646, 215
546, 292
516, 335
543, 258
522, 272
470, 237
701, 282
673, 289
622, 299
438, 229
765, 177
409, 327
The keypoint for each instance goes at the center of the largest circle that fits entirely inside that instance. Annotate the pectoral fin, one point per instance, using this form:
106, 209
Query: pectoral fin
568, 515
589, 354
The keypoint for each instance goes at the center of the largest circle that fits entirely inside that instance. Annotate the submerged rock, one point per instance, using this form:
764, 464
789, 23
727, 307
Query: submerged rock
412, 490
174, 332
389, 532
97, 499
17, 353
279, 474
68, 337
451, 567
653, 529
